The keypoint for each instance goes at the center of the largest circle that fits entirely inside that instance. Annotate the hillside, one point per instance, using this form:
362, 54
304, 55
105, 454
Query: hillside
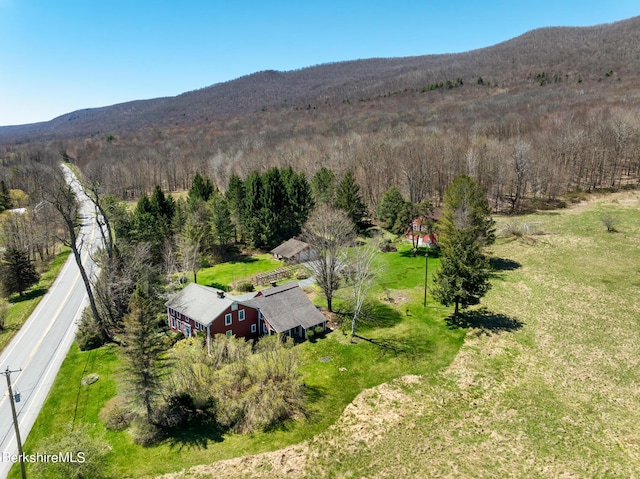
605, 54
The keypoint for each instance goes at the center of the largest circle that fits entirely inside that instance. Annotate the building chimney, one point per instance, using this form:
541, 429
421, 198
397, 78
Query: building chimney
273, 284
220, 294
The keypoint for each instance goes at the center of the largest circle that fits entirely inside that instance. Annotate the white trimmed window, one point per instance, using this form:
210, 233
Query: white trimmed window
265, 330
241, 315
253, 328
229, 333
227, 319
173, 322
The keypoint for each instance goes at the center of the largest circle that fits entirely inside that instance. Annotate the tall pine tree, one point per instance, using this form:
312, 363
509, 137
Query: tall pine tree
349, 199
142, 351
18, 272
464, 228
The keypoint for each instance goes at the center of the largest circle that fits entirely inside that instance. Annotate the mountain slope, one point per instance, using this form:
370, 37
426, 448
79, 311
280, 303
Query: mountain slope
574, 54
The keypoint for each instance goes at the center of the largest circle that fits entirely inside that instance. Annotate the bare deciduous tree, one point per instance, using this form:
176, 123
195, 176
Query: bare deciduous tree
57, 189
328, 230
361, 272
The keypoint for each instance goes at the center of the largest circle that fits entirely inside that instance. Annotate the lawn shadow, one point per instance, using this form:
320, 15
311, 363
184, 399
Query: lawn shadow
486, 321
503, 264
410, 346
242, 258
196, 435
422, 250
29, 295
373, 314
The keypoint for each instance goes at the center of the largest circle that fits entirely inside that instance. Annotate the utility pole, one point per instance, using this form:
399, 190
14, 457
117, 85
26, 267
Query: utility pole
7, 374
426, 271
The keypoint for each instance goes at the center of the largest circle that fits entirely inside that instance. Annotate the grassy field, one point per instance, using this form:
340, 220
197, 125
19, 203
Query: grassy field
224, 274
547, 383
21, 307
399, 337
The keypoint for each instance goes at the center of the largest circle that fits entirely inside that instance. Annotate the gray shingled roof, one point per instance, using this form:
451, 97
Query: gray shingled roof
290, 248
286, 306
200, 303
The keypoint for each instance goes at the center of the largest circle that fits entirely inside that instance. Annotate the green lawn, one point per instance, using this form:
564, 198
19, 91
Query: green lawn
335, 370
224, 274
21, 307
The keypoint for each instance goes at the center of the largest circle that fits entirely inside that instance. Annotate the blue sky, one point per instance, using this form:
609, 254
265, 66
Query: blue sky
57, 56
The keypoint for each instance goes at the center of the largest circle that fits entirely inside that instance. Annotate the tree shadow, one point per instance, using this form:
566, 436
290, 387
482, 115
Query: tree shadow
409, 346
195, 435
29, 295
486, 321
373, 314
420, 253
503, 264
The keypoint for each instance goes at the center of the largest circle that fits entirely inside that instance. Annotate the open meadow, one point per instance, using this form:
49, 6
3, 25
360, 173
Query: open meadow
546, 384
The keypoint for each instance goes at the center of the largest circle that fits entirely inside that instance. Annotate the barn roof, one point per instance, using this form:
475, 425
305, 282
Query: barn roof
290, 248
286, 306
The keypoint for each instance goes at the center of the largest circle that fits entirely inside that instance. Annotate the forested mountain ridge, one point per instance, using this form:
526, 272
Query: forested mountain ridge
609, 52
551, 111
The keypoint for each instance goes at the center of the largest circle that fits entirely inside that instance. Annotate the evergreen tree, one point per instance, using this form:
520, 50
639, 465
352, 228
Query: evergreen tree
349, 199
18, 271
147, 226
201, 189
235, 201
465, 227
251, 220
300, 203
466, 206
5, 197
323, 187
274, 213
142, 350
222, 227
390, 207
163, 207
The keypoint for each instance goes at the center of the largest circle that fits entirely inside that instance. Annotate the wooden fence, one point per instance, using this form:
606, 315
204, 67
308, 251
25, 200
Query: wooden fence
278, 274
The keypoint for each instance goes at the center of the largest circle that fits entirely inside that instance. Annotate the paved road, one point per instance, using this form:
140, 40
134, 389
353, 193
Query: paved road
43, 342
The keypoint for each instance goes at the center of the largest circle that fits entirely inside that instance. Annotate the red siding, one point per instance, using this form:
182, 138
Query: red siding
240, 329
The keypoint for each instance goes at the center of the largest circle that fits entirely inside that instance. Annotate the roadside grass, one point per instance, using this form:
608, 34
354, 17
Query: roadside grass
21, 307
222, 275
335, 369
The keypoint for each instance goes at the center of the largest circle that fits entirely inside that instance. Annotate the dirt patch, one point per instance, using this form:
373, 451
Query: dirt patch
287, 462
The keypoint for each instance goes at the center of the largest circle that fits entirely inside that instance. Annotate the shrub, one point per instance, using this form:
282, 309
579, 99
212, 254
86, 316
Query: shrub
301, 273
88, 335
609, 222
144, 433
94, 463
115, 414
245, 287
387, 246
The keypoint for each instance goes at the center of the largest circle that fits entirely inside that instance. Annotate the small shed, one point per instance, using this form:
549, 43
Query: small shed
293, 251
